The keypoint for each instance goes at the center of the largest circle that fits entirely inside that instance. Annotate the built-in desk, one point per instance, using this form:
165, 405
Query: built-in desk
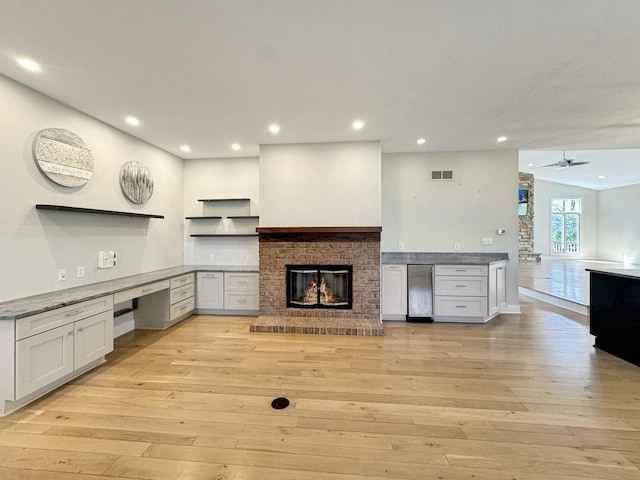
47, 340
614, 302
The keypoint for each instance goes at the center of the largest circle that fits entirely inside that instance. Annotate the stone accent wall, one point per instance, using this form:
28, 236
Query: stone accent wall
525, 222
361, 250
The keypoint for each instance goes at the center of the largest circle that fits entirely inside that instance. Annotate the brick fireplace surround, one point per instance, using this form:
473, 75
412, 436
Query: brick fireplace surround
356, 246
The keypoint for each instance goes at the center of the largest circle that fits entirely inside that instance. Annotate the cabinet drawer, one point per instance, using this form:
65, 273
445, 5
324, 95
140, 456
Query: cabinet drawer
461, 270
181, 308
247, 282
28, 326
460, 306
140, 291
178, 294
182, 280
240, 301
461, 286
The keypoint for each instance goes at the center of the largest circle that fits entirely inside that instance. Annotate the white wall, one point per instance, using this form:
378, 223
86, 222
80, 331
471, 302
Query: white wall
544, 192
320, 185
221, 178
35, 244
431, 216
619, 227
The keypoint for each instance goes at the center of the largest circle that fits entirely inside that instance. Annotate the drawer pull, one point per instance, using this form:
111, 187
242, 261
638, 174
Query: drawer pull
74, 313
461, 270
242, 300
182, 294
460, 286
80, 330
461, 306
146, 290
184, 307
70, 334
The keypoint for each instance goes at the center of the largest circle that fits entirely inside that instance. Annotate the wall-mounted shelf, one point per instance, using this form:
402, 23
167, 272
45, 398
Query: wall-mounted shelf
63, 208
242, 216
224, 200
223, 235
204, 217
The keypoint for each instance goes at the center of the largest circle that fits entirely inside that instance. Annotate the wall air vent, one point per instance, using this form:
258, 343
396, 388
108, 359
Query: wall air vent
441, 175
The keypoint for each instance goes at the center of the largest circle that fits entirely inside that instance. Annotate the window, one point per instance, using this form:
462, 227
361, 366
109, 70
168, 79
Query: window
565, 225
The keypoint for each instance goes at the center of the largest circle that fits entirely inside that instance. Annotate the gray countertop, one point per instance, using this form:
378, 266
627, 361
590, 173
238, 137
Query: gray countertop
442, 258
23, 307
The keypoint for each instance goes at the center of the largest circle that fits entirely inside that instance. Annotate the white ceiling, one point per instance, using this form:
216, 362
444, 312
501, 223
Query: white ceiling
549, 74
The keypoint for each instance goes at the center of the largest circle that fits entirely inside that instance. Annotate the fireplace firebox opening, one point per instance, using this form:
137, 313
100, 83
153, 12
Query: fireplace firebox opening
319, 286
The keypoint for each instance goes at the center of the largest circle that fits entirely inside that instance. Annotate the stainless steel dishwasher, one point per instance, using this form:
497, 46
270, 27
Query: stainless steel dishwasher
420, 297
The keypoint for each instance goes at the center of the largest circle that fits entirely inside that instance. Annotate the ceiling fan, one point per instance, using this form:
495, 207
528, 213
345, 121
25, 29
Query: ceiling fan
564, 163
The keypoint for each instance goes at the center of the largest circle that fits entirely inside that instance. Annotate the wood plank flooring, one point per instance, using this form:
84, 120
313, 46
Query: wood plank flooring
522, 397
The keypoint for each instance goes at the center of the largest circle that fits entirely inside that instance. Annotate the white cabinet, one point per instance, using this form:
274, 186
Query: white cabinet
240, 291
223, 292
497, 287
469, 293
43, 359
210, 291
394, 292
71, 341
181, 298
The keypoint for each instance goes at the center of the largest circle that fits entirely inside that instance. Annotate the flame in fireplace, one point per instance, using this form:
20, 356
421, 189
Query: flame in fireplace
326, 295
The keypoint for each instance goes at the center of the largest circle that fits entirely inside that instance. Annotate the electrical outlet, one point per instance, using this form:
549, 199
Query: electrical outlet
211, 258
62, 274
248, 258
401, 246
456, 246
501, 231
80, 272
487, 240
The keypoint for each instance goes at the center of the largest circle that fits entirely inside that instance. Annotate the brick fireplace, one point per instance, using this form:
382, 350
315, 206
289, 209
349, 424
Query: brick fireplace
358, 247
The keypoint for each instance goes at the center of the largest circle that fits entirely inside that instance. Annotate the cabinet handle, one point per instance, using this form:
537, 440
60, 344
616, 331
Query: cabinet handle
461, 306
146, 290
70, 334
460, 286
242, 300
80, 330
75, 312
462, 270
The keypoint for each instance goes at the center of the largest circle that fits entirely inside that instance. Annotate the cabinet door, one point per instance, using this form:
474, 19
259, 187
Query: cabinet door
42, 359
93, 338
493, 290
501, 286
210, 291
394, 290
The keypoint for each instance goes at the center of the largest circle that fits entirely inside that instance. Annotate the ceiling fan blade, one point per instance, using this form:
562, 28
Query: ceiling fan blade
572, 164
549, 165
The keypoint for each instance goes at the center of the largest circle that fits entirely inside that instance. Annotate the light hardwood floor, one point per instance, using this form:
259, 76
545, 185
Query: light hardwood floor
523, 397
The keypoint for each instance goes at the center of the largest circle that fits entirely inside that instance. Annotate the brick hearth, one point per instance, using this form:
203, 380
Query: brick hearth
359, 247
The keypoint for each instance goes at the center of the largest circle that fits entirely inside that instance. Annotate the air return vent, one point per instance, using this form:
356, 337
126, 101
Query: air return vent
441, 175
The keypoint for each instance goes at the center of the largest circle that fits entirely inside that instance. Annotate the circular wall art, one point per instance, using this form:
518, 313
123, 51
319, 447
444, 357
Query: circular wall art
136, 182
63, 157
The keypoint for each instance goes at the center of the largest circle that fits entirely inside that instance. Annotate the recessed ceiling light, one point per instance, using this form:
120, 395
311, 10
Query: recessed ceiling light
185, 148
421, 141
29, 64
133, 121
236, 146
357, 124
274, 128
530, 165
501, 139
601, 177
